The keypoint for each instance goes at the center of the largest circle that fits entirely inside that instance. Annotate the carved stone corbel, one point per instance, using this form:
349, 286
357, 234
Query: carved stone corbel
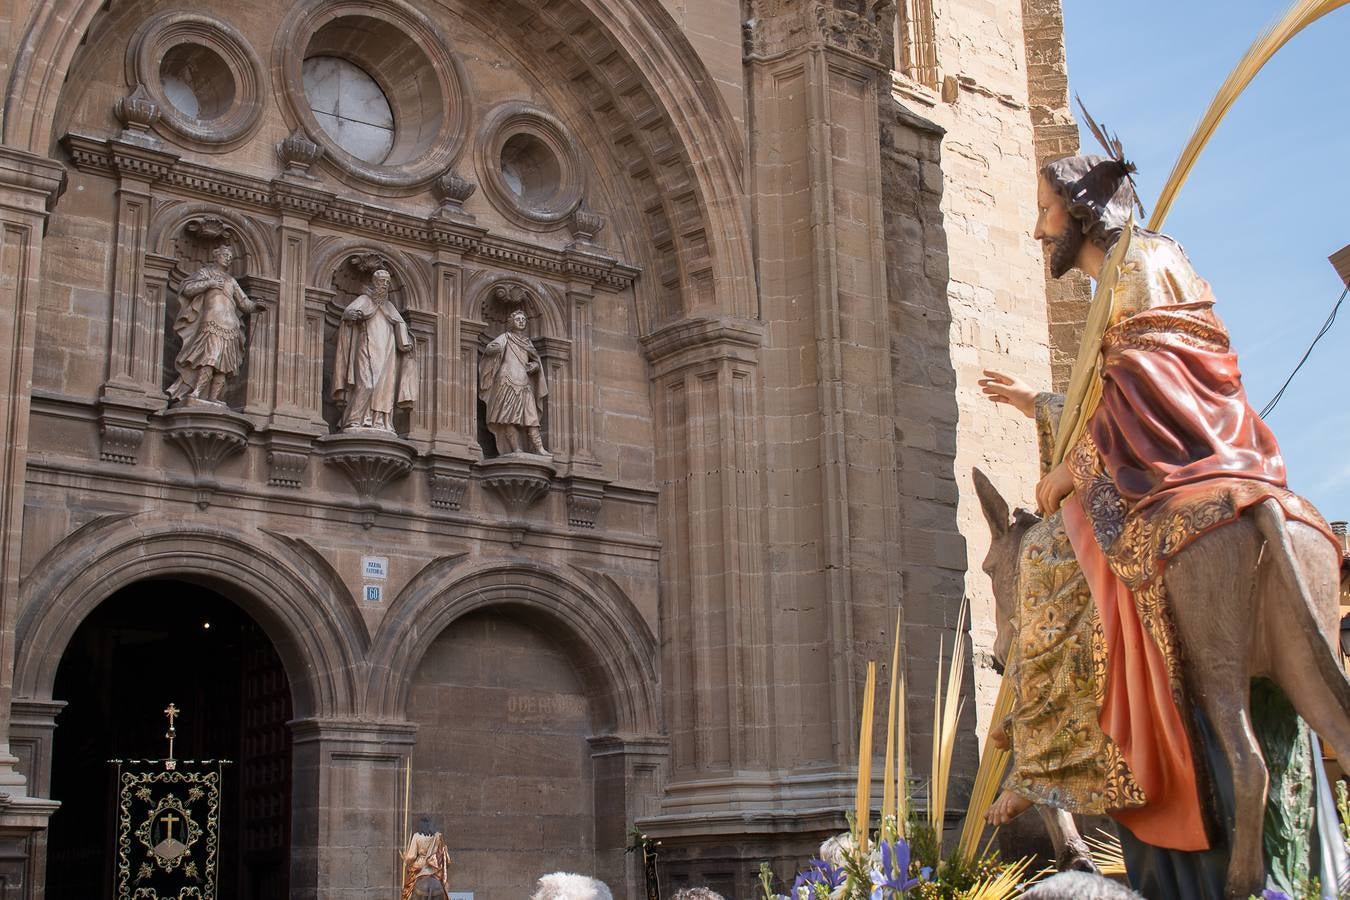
120, 434
519, 479
584, 499
447, 480
370, 462
298, 153
206, 437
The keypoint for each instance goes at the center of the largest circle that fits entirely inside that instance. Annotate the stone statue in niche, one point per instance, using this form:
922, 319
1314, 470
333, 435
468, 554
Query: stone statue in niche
210, 304
374, 370
425, 864
511, 384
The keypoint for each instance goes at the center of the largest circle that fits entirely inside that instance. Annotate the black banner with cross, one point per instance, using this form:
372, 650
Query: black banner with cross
168, 826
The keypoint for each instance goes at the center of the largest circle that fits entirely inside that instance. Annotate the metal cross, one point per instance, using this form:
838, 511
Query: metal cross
169, 819
172, 713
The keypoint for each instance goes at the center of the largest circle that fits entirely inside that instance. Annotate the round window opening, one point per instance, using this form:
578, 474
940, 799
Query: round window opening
350, 106
530, 169
197, 82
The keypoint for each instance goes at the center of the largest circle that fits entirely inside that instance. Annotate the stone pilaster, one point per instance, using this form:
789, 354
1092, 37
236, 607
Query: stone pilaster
814, 71
348, 807
718, 675
132, 390
29, 186
629, 772
299, 323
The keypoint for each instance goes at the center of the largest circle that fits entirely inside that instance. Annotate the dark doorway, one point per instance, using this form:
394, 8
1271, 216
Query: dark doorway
150, 644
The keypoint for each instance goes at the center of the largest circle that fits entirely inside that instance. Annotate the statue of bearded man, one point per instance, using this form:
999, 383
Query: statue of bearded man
374, 371
1171, 450
511, 384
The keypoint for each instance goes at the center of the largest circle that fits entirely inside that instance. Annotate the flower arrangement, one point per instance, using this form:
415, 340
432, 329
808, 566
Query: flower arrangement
904, 857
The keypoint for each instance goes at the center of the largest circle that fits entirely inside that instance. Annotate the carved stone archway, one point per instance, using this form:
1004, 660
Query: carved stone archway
283, 584
609, 643
295, 596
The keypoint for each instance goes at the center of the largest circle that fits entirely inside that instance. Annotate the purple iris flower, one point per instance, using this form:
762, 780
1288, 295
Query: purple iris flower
1274, 894
819, 872
892, 879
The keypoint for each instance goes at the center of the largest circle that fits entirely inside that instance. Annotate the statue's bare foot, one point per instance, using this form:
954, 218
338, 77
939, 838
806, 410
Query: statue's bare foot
998, 737
1007, 807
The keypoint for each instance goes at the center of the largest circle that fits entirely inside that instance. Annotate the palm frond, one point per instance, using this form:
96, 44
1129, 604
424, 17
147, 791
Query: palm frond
1008, 882
988, 780
1299, 16
946, 713
1106, 851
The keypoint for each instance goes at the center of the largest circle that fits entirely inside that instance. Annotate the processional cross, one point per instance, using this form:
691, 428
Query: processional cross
172, 712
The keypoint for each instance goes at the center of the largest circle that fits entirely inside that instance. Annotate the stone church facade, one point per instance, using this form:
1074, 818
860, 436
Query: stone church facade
763, 250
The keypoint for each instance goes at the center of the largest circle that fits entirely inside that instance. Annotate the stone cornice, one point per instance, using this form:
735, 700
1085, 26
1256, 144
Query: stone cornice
38, 177
691, 341
314, 202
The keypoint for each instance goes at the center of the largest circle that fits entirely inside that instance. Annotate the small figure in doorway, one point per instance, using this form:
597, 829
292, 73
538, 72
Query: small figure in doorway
426, 863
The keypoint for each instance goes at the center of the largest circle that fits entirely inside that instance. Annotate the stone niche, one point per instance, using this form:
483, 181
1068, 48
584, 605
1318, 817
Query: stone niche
369, 458
348, 280
191, 249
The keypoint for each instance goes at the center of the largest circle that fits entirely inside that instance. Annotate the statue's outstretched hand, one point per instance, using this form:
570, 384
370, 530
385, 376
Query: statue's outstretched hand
1001, 388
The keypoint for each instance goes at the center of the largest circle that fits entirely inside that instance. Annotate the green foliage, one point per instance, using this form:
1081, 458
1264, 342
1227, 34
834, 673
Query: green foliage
766, 880
1343, 807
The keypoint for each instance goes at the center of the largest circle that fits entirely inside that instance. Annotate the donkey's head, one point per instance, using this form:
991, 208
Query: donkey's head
1000, 564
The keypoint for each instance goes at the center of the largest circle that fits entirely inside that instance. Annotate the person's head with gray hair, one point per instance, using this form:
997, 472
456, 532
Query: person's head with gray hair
697, 893
567, 886
1079, 886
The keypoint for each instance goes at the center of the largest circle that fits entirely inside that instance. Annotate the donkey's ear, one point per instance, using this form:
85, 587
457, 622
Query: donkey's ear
992, 502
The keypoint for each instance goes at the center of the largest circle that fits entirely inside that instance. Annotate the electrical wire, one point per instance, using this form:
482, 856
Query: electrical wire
1326, 326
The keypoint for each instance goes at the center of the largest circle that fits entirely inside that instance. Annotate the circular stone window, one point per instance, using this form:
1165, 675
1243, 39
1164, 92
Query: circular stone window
528, 161
371, 82
203, 76
530, 169
197, 82
350, 107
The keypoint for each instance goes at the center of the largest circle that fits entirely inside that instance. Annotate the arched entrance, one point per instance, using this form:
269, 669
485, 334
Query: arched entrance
149, 644
502, 764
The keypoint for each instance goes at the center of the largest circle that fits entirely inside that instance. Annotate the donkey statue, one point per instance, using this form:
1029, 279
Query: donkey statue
1258, 597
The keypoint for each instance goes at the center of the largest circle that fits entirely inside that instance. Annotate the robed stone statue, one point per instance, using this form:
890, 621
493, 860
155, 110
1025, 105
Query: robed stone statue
511, 384
212, 333
374, 371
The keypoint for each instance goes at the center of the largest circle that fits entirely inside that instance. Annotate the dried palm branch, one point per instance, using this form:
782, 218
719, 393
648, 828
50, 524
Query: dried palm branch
988, 779
864, 795
890, 780
1106, 852
1299, 16
946, 713
1085, 382
1008, 882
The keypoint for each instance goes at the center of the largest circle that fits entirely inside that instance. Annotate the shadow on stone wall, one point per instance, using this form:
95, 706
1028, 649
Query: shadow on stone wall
932, 548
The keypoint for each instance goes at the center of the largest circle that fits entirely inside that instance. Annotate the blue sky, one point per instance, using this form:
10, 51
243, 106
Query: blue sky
1265, 205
